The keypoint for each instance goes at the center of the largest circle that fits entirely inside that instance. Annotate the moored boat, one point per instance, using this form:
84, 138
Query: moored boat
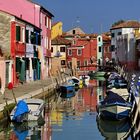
114, 107
28, 110
67, 90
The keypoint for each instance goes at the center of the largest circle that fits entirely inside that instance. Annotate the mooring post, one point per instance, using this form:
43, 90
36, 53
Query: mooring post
136, 114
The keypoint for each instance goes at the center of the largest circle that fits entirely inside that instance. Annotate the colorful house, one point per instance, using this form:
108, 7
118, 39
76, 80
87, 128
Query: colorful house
123, 43
25, 40
103, 49
84, 49
56, 30
59, 49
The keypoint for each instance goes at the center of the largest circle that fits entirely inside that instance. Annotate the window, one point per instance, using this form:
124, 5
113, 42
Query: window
79, 52
17, 33
69, 64
62, 49
63, 62
73, 32
51, 49
45, 20
112, 35
50, 26
69, 52
33, 38
112, 48
85, 62
46, 42
78, 63
27, 36
23, 34
74, 42
100, 49
119, 33
99, 39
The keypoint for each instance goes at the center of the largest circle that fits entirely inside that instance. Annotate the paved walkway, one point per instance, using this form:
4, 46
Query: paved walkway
27, 90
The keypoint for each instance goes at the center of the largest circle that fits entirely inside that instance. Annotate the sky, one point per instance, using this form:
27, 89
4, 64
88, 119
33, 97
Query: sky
92, 16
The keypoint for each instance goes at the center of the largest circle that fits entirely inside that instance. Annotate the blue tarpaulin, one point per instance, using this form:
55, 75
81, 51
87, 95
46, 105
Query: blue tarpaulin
22, 108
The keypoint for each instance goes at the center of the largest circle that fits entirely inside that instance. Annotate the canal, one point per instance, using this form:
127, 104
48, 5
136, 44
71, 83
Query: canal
70, 119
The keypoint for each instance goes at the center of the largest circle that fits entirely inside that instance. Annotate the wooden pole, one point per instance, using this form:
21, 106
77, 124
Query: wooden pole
14, 96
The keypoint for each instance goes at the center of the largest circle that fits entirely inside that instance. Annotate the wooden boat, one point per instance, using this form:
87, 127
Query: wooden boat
67, 90
117, 82
74, 80
28, 110
114, 107
117, 130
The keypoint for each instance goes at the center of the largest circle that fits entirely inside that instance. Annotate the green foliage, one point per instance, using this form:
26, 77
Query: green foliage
118, 22
8, 108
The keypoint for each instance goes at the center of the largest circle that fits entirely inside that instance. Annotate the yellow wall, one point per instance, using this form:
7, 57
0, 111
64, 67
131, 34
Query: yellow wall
56, 30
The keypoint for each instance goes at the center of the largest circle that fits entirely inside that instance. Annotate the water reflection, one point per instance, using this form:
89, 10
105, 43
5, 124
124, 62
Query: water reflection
114, 130
27, 130
71, 119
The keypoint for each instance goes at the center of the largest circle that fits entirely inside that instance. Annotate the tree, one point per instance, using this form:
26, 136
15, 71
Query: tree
118, 22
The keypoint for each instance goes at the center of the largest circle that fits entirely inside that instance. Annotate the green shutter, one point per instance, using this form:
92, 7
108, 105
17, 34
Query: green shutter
17, 33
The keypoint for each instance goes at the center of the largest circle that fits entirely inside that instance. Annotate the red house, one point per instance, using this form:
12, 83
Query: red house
18, 49
84, 49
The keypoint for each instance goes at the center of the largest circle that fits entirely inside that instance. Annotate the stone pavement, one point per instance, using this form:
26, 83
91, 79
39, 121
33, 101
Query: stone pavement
26, 90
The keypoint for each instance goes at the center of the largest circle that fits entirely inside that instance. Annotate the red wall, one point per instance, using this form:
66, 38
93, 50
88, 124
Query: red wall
89, 50
17, 49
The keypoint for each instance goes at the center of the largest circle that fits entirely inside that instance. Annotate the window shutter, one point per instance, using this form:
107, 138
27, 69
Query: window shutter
17, 33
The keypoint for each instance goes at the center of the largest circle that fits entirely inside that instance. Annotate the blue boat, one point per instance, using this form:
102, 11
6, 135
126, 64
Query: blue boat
67, 90
114, 107
20, 112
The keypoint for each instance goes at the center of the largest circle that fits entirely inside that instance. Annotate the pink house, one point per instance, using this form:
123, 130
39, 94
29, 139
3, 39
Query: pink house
39, 17
23, 9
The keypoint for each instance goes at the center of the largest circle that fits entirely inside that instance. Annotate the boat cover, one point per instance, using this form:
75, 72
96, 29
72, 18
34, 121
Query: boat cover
112, 98
21, 108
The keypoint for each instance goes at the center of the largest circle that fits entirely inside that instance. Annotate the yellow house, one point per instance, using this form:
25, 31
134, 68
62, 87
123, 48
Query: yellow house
56, 30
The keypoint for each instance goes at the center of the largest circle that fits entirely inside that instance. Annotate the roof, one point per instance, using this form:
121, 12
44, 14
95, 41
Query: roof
86, 36
53, 24
42, 8
60, 41
127, 24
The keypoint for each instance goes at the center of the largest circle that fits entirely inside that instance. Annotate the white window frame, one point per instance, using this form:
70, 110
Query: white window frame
23, 34
79, 54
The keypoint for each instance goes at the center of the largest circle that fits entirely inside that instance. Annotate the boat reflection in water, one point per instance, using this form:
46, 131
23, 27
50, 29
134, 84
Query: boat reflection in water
114, 130
27, 130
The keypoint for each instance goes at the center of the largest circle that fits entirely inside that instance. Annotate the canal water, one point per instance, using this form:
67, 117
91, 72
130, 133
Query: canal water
70, 119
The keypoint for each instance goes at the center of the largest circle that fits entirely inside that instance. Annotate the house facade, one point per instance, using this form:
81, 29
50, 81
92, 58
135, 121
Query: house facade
25, 41
59, 50
84, 49
56, 30
123, 43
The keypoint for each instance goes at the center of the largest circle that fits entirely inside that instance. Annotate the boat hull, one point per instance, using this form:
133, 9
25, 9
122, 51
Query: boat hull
67, 91
36, 110
115, 111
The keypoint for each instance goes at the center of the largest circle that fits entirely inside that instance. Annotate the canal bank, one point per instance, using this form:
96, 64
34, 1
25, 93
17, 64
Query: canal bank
36, 89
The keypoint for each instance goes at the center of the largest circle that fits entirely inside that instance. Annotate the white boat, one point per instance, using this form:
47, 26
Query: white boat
114, 107
77, 82
85, 79
28, 110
